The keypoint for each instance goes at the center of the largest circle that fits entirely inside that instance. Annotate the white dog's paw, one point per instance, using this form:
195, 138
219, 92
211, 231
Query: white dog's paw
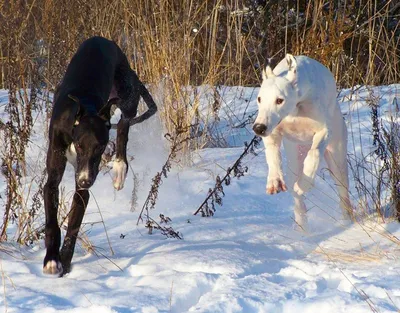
301, 226
275, 185
300, 222
302, 186
347, 217
119, 169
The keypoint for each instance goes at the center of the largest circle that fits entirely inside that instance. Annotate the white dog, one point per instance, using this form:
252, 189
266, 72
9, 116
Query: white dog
297, 103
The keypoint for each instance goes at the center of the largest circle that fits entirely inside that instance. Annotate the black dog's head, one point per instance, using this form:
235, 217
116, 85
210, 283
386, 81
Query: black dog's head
90, 137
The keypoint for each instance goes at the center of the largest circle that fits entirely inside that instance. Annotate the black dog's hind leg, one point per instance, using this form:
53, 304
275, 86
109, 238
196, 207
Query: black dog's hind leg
79, 203
56, 162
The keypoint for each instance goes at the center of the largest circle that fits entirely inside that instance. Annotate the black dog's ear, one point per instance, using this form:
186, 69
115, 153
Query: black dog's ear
73, 98
105, 112
79, 112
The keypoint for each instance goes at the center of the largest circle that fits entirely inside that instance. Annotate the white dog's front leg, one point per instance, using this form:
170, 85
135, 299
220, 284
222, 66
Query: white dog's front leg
311, 162
275, 182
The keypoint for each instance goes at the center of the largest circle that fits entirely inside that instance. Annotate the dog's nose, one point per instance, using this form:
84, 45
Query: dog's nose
259, 129
84, 183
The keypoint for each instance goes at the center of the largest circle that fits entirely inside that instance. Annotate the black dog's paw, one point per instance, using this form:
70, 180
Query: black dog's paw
66, 256
66, 269
53, 267
120, 168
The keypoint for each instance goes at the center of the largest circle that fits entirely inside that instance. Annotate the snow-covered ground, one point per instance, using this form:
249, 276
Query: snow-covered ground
247, 258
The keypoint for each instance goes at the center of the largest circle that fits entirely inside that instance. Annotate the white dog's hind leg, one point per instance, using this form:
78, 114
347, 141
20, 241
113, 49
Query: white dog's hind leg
295, 155
275, 182
335, 157
311, 162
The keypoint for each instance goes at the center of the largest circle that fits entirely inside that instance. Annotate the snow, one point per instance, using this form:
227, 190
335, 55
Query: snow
247, 258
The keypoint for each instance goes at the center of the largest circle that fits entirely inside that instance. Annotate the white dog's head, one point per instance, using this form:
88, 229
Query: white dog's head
276, 99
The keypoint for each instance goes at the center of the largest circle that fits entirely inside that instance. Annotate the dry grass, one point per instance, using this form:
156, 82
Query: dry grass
375, 168
176, 44
349, 257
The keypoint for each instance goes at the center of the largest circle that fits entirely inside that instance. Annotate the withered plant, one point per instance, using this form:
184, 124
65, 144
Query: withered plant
237, 170
177, 141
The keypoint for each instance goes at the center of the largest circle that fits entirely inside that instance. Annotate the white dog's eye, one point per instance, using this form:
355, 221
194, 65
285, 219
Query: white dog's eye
258, 99
279, 101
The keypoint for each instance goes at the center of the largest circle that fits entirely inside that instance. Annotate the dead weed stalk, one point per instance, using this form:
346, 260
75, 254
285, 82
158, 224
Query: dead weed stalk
207, 208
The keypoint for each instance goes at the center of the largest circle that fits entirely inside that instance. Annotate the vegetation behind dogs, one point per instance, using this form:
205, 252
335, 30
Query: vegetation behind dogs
173, 44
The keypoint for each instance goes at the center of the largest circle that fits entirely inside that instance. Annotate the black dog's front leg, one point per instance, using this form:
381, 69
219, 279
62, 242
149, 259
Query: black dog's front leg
56, 162
79, 204
120, 166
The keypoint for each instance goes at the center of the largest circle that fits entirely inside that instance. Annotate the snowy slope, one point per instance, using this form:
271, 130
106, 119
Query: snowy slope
247, 258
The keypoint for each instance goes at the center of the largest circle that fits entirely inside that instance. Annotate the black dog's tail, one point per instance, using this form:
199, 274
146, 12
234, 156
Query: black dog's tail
151, 106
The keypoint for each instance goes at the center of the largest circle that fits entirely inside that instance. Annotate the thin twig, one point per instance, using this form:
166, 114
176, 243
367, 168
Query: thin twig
104, 225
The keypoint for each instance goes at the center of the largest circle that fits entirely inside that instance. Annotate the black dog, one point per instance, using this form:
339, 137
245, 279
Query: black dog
98, 76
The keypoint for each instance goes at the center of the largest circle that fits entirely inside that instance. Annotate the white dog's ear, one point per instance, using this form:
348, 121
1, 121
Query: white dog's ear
268, 73
264, 75
292, 68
